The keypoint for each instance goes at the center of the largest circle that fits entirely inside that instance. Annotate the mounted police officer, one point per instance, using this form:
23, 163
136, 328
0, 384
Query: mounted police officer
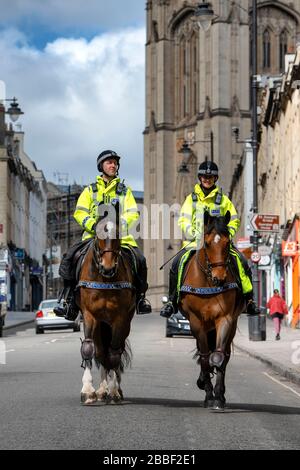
208, 196
107, 189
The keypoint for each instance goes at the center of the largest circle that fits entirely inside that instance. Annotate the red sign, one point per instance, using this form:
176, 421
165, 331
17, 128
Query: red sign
255, 257
265, 222
289, 248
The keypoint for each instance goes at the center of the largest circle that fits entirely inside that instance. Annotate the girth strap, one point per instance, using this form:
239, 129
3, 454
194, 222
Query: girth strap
208, 290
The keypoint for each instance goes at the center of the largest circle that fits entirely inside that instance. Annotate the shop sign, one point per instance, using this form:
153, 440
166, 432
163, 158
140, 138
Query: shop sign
289, 248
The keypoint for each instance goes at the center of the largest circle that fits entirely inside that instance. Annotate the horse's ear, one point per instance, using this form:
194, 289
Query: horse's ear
227, 217
206, 217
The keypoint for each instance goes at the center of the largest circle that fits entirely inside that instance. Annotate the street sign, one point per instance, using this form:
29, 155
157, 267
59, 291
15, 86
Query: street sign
289, 248
264, 261
255, 257
243, 243
265, 222
264, 250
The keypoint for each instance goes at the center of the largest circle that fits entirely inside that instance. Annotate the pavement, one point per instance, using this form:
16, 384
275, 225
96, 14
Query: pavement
283, 356
13, 319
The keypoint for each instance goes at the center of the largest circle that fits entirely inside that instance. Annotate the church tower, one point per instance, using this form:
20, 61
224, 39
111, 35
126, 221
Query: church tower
198, 89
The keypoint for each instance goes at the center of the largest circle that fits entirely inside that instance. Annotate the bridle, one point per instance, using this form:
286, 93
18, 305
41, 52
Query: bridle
207, 269
98, 255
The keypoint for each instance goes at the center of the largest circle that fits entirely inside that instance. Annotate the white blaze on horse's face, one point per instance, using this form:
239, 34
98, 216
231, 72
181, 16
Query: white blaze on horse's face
217, 238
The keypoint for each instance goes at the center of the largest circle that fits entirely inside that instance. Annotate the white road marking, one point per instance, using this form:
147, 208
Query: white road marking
283, 385
9, 350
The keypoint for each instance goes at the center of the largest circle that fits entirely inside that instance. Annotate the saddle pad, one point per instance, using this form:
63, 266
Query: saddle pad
79, 257
181, 269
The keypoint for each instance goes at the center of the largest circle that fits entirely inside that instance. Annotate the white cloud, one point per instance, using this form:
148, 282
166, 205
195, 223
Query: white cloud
79, 97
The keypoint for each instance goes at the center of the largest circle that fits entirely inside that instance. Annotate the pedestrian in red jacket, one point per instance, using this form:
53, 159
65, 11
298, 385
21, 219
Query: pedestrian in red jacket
278, 309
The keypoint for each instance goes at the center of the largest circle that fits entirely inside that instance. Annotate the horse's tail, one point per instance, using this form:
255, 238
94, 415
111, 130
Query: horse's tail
126, 357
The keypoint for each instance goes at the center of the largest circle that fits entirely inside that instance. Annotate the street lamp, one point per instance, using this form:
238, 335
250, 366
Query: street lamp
14, 113
204, 15
186, 152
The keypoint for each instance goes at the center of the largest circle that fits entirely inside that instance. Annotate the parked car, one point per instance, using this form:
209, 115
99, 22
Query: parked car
45, 318
177, 324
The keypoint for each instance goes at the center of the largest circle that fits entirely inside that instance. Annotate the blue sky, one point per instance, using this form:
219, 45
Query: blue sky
77, 69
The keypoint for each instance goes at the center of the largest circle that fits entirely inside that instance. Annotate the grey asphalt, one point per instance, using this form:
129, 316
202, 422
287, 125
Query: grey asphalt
282, 356
163, 408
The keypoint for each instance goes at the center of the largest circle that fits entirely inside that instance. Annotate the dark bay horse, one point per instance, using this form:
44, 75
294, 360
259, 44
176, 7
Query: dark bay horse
212, 302
106, 298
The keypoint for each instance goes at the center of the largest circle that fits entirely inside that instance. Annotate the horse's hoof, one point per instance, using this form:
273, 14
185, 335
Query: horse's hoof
208, 403
117, 398
218, 405
102, 396
87, 399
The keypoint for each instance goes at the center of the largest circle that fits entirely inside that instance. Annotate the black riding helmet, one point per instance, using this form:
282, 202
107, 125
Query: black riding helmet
105, 155
208, 168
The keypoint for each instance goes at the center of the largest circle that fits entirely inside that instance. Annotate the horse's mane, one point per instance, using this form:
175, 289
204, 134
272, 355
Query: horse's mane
218, 224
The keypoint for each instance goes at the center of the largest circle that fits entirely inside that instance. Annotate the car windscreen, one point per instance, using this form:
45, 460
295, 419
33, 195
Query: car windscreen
49, 304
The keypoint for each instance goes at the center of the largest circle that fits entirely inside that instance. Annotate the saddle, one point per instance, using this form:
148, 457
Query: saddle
183, 263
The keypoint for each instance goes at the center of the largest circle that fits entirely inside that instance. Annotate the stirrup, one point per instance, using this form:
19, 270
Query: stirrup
143, 306
167, 310
252, 308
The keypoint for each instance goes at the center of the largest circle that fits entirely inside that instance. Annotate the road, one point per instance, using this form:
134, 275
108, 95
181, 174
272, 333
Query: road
40, 398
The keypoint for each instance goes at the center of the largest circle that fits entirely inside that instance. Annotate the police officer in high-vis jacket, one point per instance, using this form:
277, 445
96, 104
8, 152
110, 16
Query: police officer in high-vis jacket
106, 189
207, 196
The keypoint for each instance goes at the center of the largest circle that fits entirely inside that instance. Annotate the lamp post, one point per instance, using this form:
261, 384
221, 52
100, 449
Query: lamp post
13, 111
186, 152
254, 140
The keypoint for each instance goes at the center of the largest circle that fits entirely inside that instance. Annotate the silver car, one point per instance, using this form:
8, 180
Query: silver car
45, 318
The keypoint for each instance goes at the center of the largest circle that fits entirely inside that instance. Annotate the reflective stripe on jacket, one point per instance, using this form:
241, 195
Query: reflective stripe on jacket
191, 215
87, 208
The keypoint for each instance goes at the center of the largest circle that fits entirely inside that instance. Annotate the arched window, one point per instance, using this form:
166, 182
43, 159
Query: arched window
283, 46
266, 49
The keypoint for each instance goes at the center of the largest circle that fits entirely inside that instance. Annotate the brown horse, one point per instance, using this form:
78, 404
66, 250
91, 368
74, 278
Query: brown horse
106, 298
212, 302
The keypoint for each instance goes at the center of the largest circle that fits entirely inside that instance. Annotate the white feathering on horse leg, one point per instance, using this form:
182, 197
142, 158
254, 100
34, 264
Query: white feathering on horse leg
102, 391
113, 385
88, 388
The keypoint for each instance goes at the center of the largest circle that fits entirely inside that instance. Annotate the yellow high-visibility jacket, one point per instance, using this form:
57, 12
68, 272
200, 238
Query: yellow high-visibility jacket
87, 208
192, 210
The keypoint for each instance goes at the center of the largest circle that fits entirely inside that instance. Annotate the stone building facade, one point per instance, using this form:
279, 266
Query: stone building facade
198, 89
23, 208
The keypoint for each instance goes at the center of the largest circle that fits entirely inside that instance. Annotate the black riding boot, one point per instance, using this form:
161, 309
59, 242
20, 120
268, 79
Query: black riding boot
252, 308
171, 307
69, 309
143, 305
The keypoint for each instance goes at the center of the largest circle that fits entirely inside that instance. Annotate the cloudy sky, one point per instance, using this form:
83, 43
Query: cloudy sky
77, 69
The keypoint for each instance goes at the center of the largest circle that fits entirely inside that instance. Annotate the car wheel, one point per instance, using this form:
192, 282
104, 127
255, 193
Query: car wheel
169, 335
39, 331
76, 328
